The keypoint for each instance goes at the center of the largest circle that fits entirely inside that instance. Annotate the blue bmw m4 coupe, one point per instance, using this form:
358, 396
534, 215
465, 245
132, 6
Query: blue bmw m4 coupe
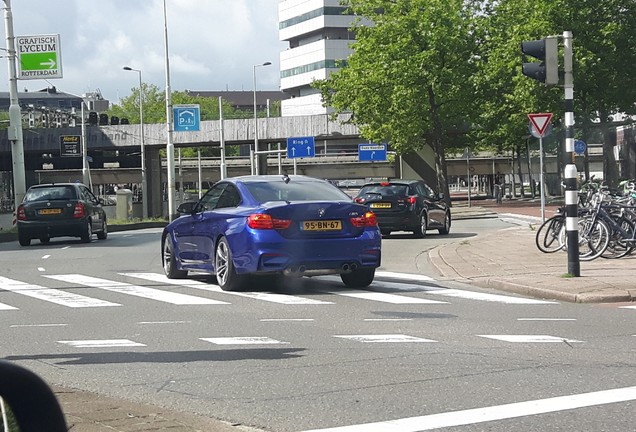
269, 225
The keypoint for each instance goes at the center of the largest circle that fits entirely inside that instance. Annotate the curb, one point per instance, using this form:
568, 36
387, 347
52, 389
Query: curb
6, 237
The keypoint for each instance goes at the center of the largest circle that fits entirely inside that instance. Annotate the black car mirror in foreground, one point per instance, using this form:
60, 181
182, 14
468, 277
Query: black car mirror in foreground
31, 402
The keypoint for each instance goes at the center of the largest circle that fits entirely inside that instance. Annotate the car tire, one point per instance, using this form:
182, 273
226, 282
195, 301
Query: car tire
447, 224
420, 231
169, 261
359, 278
226, 276
87, 234
103, 234
24, 240
45, 239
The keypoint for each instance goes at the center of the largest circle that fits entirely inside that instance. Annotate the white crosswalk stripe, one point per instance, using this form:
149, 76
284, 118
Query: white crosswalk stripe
52, 295
385, 291
269, 297
135, 290
438, 291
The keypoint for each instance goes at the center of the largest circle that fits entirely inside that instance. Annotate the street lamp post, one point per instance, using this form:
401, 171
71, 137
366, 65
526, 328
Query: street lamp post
169, 143
144, 184
259, 169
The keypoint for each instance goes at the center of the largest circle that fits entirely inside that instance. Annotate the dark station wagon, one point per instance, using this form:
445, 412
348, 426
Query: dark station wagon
406, 205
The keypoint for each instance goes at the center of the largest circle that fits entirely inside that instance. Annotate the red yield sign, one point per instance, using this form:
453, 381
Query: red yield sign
540, 121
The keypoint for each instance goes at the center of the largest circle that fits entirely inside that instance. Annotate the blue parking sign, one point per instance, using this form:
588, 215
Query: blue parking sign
186, 118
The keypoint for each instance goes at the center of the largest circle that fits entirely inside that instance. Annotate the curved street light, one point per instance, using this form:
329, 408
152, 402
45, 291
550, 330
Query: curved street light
257, 155
144, 185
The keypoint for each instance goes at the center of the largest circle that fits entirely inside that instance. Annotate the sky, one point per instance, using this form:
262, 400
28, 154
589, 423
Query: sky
213, 44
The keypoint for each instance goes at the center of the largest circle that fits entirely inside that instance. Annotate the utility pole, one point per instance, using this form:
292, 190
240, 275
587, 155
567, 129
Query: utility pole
15, 114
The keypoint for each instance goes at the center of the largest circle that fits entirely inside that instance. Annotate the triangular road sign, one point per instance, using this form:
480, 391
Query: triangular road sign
540, 121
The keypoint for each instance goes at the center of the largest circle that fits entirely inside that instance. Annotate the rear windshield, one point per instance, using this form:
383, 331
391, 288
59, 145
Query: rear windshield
295, 191
397, 190
50, 193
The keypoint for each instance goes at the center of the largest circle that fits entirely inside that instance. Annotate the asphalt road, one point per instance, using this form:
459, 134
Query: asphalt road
313, 355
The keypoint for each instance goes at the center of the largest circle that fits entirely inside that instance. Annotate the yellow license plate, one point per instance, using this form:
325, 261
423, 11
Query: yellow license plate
50, 211
328, 225
380, 205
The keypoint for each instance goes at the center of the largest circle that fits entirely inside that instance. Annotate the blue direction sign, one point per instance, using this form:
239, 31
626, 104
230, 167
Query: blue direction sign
301, 147
579, 147
371, 152
187, 118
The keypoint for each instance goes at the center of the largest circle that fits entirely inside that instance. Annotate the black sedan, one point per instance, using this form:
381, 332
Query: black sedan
58, 210
406, 205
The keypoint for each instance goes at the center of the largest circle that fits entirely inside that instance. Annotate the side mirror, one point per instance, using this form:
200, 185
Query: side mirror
442, 196
30, 400
187, 207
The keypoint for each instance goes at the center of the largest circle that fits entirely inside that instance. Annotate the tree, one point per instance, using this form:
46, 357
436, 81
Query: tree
405, 82
604, 76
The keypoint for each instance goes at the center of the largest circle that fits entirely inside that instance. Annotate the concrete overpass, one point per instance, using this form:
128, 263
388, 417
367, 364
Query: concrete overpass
115, 152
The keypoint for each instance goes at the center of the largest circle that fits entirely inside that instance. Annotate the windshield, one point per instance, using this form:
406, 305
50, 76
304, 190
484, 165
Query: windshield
399, 190
50, 193
295, 191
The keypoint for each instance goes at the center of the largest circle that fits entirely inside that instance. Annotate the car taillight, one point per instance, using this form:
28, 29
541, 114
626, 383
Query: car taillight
410, 200
367, 220
359, 200
79, 211
21, 213
265, 221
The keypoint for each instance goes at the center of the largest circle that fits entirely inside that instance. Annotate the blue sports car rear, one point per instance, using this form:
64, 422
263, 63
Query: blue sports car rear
259, 225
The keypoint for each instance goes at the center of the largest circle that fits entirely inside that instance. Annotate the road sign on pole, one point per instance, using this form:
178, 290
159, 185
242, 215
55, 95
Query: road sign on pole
540, 121
39, 57
301, 147
187, 118
371, 152
579, 147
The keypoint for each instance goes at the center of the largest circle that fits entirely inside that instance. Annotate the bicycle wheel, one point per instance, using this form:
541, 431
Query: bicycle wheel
619, 246
548, 238
593, 238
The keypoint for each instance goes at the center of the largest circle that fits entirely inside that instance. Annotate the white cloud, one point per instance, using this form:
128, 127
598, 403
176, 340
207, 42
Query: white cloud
213, 44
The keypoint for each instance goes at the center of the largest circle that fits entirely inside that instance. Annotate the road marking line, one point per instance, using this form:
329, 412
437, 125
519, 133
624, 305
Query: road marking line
405, 276
41, 269
7, 307
52, 295
46, 257
37, 325
164, 322
384, 338
190, 283
530, 338
627, 307
243, 341
106, 343
493, 413
134, 290
385, 297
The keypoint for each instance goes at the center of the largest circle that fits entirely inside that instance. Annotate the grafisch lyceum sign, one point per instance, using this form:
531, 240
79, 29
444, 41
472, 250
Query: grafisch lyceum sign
39, 57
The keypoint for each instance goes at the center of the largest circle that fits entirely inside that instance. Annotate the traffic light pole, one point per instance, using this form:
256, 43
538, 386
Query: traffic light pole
570, 174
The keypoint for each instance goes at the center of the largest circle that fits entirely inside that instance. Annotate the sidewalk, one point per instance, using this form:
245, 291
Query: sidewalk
509, 260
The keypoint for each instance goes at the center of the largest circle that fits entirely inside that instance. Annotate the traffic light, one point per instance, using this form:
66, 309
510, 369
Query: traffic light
546, 50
